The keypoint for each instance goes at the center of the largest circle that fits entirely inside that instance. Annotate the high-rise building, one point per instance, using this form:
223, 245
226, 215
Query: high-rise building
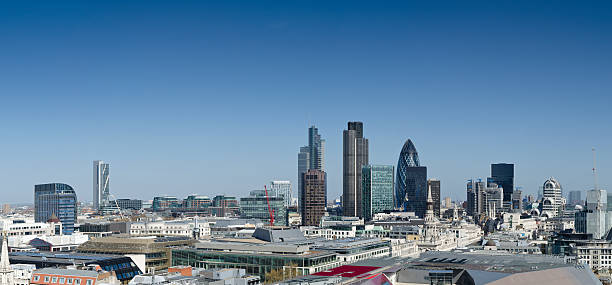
316, 146
56, 199
377, 184
303, 165
411, 181
311, 156
503, 175
448, 203
475, 190
101, 190
552, 198
355, 156
484, 199
314, 193
434, 185
575, 198
282, 188
517, 200
256, 207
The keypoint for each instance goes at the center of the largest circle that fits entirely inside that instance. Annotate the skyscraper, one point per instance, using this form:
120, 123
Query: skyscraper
101, 190
56, 199
411, 181
503, 175
316, 146
355, 156
378, 181
434, 185
303, 165
314, 193
282, 188
311, 156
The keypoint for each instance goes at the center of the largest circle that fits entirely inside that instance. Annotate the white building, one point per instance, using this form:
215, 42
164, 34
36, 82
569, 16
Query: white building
6, 271
552, 198
282, 188
164, 228
592, 220
27, 227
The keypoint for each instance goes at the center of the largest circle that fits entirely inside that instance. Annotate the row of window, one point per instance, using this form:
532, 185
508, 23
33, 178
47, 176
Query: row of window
62, 280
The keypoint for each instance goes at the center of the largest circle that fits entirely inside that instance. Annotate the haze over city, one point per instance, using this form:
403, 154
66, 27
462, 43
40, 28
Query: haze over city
208, 98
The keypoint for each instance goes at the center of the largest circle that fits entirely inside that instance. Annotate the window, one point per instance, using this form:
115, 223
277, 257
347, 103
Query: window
69, 280
62, 280
36, 277
77, 281
89, 282
54, 279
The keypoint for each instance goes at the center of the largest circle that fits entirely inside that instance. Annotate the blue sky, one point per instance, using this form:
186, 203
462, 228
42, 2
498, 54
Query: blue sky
215, 97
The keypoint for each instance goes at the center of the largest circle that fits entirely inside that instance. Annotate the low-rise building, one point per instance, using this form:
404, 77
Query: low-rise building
53, 276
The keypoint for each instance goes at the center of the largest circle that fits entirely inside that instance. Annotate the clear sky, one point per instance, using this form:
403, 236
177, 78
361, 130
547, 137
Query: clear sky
188, 97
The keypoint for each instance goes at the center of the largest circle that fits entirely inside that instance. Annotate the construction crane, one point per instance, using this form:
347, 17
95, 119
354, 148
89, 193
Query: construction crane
270, 210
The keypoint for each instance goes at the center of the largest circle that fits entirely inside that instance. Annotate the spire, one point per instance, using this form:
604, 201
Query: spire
5, 265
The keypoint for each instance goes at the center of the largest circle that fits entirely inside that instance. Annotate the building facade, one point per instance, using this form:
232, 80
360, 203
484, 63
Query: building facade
411, 181
282, 188
256, 207
503, 175
355, 156
592, 220
314, 193
377, 187
129, 204
575, 198
551, 198
434, 185
303, 164
56, 199
101, 190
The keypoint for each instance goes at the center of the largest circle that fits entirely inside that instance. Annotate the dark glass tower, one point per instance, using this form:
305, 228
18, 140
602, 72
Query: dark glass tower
411, 185
56, 199
503, 175
435, 194
354, 157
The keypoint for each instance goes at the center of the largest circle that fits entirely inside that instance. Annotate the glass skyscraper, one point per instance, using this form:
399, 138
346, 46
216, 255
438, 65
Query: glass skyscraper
311, 156
101, 190
377, 184
56, 199
503, 175
411, 183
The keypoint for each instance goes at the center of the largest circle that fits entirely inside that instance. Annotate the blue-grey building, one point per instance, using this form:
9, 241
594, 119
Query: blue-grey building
57, 199
411, 181
377, 184
503, 175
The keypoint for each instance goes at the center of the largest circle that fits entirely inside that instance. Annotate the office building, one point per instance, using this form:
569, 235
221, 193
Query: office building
316, 147
355, 156
303, 165
411, 181
128, 204
282, 189
575, 198
503, 175
163, 203
56, 200
377, 184
260, 206
101, 189
314, 192
484, 199
224, 206
517, 200
434, 185
552, 198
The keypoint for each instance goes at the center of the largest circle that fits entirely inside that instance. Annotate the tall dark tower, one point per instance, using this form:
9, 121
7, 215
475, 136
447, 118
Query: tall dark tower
503, 175
354, 157
411, 181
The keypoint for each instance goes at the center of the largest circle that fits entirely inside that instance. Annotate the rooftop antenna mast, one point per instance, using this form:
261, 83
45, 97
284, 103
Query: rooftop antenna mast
594, 170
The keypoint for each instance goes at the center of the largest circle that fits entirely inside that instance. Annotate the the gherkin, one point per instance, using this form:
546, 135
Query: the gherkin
411, 185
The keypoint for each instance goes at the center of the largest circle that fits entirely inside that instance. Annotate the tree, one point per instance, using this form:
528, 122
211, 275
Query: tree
280, 274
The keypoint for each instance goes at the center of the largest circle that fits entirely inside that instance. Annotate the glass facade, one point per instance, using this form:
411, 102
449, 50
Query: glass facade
503, 175
256, 207
56, 199
255, 263
378, 181
411, 184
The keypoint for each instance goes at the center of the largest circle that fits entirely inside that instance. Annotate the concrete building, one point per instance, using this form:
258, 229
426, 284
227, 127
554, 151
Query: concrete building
377, 189
128, 204
552, 201
354, 157
314, 193
592, 219
574, 198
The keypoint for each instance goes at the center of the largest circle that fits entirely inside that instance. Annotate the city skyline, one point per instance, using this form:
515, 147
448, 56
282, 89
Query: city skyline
170, 87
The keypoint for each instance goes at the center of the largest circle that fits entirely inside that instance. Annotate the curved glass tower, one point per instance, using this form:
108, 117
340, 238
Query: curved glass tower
411, 185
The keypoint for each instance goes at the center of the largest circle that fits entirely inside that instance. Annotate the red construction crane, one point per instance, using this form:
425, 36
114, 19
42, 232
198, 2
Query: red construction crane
270, 210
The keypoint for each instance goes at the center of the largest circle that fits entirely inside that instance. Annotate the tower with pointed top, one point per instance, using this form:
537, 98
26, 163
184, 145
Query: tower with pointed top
6, 272
429, 213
